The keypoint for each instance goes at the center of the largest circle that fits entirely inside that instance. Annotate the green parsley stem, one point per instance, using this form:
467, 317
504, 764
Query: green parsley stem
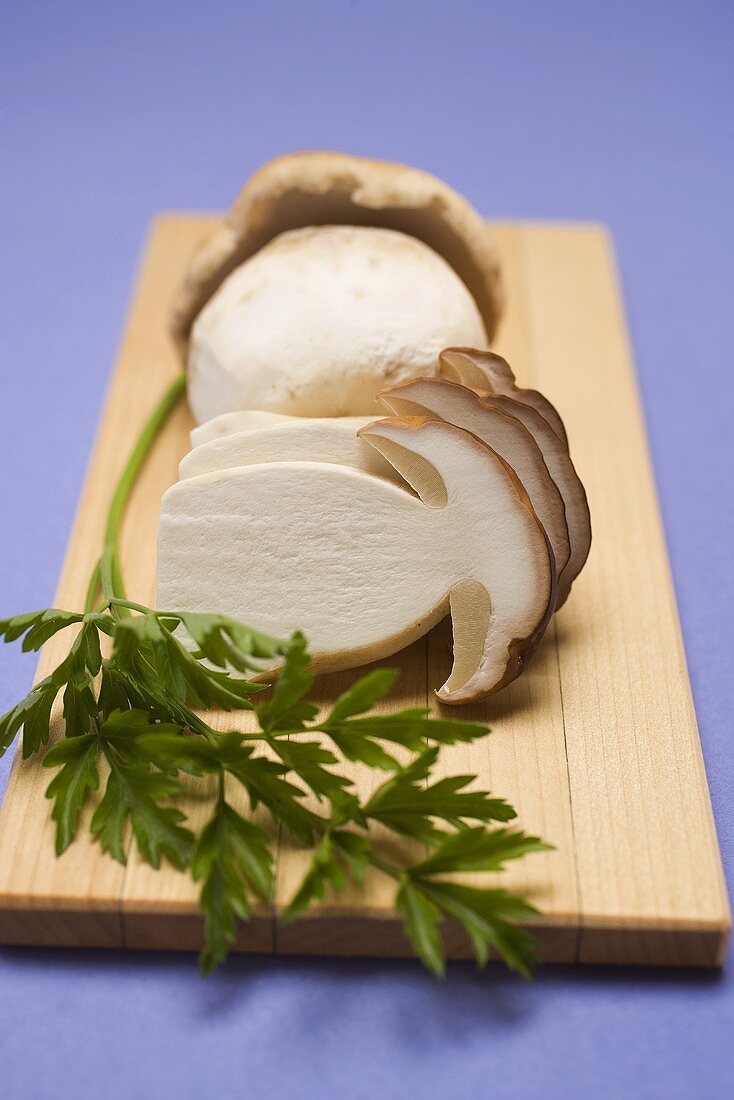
107, 571
91, 598
115, 601
390, 869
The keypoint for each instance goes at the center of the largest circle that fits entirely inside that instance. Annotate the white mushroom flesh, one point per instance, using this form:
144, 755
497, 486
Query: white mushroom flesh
362, 566
292, 440
321, 319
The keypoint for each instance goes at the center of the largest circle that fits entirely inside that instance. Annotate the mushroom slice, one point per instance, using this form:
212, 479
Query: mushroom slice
294, 440
228, 423
320, 188
505, 434
362, 566
563, 472
486, 372
501, 607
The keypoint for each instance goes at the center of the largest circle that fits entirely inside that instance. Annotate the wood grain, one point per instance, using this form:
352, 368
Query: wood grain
596, 745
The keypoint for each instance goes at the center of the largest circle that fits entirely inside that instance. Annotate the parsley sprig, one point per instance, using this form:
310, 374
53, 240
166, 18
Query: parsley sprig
134, 690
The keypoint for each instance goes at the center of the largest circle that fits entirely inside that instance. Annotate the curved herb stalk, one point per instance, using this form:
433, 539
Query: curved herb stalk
107, 573
138, 713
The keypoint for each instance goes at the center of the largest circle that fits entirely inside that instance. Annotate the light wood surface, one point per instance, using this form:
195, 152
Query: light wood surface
596, 745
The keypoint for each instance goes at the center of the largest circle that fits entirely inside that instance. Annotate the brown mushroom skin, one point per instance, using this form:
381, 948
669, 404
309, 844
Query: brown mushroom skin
324, 188
491, 377
519, 650
487, 372
563, 472
502, 432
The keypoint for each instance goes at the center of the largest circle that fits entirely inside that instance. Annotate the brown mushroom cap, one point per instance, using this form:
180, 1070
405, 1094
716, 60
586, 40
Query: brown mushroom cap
314, 188
563, 472
503, 433
487, 372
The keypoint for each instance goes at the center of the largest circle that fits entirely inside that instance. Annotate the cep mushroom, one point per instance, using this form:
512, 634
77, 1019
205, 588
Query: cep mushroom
331, 277
511, 440
295, 439
320, 319
362, 565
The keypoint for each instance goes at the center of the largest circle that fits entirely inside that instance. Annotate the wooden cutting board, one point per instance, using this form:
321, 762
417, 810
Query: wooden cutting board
597, 745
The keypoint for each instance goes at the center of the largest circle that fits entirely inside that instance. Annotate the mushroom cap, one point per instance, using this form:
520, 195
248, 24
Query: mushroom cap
321, 319
486, 372
562, 470
501, 431
320, 188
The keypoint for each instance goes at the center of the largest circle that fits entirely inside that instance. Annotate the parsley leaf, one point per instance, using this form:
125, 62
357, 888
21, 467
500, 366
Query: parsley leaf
232, 859
37, 626
286, 709
486, 916
135, 793
406, 805
138, 712
359, 738
477, 849
70, 787
422, 919
225, 642
363, 694
33, 715
339, 855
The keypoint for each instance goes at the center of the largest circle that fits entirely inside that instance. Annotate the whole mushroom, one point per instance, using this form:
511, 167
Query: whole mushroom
322, 319
331, 277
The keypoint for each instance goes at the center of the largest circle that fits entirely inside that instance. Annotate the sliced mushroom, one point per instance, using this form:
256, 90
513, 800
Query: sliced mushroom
321, 319
361, 565
317, 188
501, 609
228, 423
486, 372
293, 440
506, 435
563, 472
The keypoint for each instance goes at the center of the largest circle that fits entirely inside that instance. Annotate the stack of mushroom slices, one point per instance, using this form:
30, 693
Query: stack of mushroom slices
364, 534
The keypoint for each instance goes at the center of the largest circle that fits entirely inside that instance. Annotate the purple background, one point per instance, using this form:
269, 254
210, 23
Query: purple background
617, 112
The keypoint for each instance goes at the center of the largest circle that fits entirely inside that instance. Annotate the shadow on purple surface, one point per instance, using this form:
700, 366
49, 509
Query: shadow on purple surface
465, 988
